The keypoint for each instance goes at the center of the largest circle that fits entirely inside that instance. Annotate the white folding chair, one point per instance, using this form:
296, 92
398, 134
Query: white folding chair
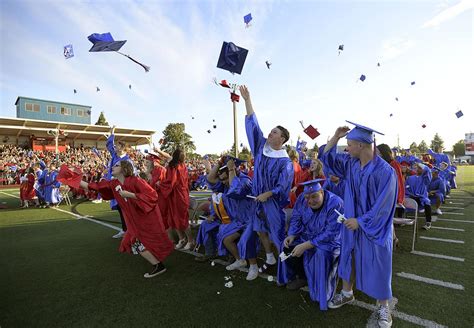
194, 203
410, 205
64, 191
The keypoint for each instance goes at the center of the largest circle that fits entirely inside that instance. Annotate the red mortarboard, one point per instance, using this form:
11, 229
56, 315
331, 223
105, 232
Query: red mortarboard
311, 132
234, 97
423, 126
224, 84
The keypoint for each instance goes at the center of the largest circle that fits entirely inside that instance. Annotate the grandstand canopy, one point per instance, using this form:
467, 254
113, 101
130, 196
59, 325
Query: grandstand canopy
19, 128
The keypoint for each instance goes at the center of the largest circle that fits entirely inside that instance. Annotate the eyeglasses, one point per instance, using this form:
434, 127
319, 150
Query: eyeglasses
116, 165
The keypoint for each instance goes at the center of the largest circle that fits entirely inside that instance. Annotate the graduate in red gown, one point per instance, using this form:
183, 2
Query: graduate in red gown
175, 190
27, 191
146, 234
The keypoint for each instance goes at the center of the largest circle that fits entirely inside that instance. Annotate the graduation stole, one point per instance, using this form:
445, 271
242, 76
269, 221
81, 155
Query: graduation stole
219, 209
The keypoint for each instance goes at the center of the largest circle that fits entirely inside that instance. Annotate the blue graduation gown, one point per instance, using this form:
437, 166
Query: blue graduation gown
51, 187
321, 228
337, 189
417, 186
115, 158
439, 186
270, 174
273, 171
370, 196
39, 190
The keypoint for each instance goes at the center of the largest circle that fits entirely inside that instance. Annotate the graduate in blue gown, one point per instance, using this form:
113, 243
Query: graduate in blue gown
51, 186
436, 190
417, 188
315, 234
370, 197
272, 179
118, 152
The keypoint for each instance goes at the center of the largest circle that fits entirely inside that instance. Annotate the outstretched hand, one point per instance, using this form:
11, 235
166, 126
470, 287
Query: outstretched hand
244, 92
341, 131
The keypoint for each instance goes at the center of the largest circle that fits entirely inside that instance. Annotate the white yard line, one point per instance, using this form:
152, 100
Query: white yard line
439, 256
450, 229
453, 241
452, 207
451, 220
452, 213
453, 203
430, 281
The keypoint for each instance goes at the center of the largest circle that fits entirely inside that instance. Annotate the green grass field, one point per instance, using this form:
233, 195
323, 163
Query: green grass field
59, 271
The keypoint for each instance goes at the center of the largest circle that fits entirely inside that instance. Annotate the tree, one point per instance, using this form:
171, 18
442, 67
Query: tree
245, 154
423, 147
174, 136
437, 143
414, 148
459, 148
101, 120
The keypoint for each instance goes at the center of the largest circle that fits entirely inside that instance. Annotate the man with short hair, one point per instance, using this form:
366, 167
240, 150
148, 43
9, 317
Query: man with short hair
272, 178
370, 197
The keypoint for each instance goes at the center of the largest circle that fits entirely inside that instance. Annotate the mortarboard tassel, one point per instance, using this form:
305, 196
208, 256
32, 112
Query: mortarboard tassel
146, 68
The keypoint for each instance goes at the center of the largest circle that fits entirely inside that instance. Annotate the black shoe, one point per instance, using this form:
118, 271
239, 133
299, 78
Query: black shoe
266, 267
157, 269
205, 258
296, 284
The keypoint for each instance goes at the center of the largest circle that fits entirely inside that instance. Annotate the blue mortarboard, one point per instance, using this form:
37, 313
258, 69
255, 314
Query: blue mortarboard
68, 51
459, 114
311, 186
237, 161
232, 57
247, 18
413, 83
105, 42
361, 133
362, 78
435, 169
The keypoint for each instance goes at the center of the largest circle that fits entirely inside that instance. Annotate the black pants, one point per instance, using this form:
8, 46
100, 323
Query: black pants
124, 225
427, 209
296, 263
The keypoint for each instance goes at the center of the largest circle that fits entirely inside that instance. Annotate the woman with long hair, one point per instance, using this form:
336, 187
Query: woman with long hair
175, 190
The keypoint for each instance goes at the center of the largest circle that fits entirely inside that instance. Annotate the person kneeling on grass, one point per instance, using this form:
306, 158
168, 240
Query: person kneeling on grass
314, 242
145, 233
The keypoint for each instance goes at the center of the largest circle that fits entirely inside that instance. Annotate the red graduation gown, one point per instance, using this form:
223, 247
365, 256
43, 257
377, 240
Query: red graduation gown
142, 215
175, 190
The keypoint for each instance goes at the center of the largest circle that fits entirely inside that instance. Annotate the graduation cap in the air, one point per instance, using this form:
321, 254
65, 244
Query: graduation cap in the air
192, 117
311, 186
413, 83
227, 158
391, 114
68, 51
213, 120
224, 84
97, 89
232, 57
268, 64
378, 64
310, 130
214, 126
247, 19
362, 78
361, 133
341, 48
234, 97
423, 126
241, 145
130, 86
396, 98
208, 131
459, 114
105, 42
75, 91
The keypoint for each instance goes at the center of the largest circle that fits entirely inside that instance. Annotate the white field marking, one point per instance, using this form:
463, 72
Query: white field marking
5, 193
452, 207
451, 220
453, 241
450, 229
430, 281
400, 315
88, 218
452, 213
454, 203
439, 256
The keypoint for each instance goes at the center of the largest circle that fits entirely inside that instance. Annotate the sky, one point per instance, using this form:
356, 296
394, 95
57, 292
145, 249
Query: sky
429, 42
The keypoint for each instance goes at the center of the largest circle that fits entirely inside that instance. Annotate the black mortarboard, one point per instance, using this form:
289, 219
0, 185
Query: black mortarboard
75, 91
268, 64
423, 126
97, 89
130, 86
413, 83
208, 131
232, 57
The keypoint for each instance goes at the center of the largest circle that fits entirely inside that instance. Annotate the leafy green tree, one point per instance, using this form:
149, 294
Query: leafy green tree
423, 147
414, 148
245, 154
174, 136
437, 143
459, 148
101, 120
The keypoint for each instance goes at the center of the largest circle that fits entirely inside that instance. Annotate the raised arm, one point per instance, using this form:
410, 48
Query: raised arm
248, 102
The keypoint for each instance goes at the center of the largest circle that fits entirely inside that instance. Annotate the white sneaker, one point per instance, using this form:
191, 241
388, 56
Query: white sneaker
180, 244
119, 234
384, 317
253, 273
189, 246
97, 201
237, 264
422, 210
438, 211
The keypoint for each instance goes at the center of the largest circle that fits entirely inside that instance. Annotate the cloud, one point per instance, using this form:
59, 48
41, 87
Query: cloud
395, 47
449, 13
